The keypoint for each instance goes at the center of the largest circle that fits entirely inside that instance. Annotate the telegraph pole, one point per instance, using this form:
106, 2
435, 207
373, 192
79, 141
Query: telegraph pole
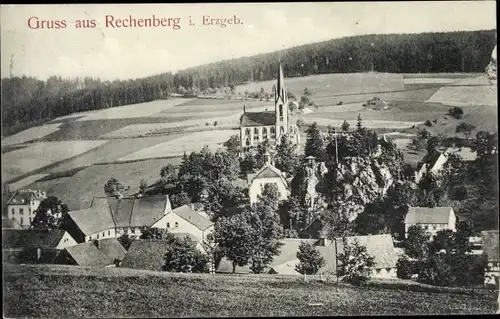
336, 145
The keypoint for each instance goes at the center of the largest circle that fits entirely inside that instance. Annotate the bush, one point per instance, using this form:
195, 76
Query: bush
456, 112
406, 268
310, 258
355, 264
428, 123
458, 193
215, 123
435, 271
183, 256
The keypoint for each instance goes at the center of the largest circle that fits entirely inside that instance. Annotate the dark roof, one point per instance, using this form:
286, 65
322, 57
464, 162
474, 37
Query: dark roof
10, 224
111, 249
37, 238
93, 219
381, 247
135, 212
23, 197
87, 254
258, 118
427, 215
146, 254
490, 244
193, 217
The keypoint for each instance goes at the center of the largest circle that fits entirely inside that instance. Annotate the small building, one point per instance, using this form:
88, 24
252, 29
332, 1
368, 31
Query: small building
93, 223
490, 250
381, 247
34, 245
266, 175
21, 206
97, 253
149, 254
431, 220
435, 162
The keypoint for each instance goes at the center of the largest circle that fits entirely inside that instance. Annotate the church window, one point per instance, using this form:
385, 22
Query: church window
256, 131
273, 132
247, 131
264, 132
247, 142
282, 129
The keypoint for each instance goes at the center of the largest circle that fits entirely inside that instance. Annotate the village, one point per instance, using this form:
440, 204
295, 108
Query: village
142, 231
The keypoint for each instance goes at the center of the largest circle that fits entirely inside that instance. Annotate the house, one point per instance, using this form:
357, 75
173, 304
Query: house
267, 174
381, 247
10, 224
21, 206
98, 253
34, 245
431, 220
149, 254
111, 217
490, 250
434, 162
257, 127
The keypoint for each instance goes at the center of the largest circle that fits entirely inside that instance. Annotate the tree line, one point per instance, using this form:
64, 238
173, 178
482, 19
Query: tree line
28, 101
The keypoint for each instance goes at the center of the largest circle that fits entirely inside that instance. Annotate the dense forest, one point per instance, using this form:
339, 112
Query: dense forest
28, 101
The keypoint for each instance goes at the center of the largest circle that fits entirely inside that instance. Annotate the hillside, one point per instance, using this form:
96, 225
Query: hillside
71, 291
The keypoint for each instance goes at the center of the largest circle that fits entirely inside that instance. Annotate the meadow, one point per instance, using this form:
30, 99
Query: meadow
71, 291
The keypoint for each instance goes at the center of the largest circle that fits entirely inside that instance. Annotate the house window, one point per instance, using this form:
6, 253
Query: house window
378, 271
97, 236
168, 225
248, 132
21, 220
264, 133
109, 232
13, 211
176, 225
282, 129
388, 270
256, 131
103, 235
247, 142
90, 237
29, 210
21, 211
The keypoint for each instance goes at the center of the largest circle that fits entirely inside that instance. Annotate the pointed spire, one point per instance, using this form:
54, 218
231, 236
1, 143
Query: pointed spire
280, 94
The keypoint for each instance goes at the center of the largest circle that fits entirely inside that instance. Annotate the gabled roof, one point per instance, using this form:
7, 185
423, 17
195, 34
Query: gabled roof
188, 214
24, 197
10, 224
465, 153
267, 171
87, 254
146, 254
427, 215
34, 238
381, 247
111, 249
93, 219
258, 118
490, 245
135, 212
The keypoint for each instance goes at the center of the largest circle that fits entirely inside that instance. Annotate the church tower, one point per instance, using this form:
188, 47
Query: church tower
281, 107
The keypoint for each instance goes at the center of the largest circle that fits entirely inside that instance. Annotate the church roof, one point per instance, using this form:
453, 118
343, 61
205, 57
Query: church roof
258, 118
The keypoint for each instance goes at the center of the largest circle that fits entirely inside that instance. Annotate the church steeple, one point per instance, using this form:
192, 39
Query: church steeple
280, 93
281, 106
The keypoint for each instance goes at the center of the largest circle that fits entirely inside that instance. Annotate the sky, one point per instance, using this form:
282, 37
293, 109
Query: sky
123, 53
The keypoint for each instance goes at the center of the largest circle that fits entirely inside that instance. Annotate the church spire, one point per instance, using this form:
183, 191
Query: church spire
280, 93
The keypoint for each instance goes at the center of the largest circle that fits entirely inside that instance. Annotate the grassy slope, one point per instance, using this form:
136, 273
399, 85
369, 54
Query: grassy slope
50, 291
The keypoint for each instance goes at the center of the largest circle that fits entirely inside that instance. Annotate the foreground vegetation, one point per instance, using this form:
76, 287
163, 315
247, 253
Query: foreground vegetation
67, 291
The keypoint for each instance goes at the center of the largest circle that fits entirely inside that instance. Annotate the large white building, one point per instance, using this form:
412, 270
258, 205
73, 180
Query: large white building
21, 206
431, 220
257, 127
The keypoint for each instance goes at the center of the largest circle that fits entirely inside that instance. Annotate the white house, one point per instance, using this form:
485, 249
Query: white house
21, 206
435, 162
490, 241
268, 174
431, 220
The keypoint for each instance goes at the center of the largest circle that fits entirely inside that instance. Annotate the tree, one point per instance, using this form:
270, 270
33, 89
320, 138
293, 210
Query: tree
372, 220
345, 126
168, 172
359, 123
354, 263
224, 199
465, 128
143, 186
286, 158
233, 144
456, 112
416, 243
314, 143
307, 91
113, 187
310, 259
179, 199
157, 233
126, 240
183, 256
247, 164
52, 213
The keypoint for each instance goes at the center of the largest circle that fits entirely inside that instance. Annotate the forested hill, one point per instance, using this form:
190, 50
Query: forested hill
27, 101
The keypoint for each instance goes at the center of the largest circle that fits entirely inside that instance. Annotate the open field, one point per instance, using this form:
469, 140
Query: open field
68, 291
30, 134
25, 181
42, 154
77, 191
466, 93
185, 144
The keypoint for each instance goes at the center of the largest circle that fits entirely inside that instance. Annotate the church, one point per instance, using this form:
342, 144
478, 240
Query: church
257, 127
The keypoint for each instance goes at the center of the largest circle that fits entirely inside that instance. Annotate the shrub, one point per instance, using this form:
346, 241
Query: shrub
428, 123
215, 123
456, 112
406, 268
310, 259
435, 271
355, 264
207, 124
182, 256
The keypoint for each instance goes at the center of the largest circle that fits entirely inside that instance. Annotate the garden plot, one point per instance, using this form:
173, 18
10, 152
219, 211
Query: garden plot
193, 142
469, 92
132, 111
30, 134
41, 154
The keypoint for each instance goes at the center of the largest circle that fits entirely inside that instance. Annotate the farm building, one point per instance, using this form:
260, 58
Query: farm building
267, 174
149, 254
490, 249
434, 163
381, 247
34, 245
112, 217
257, 127
100, 253
21, 206
431, 220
